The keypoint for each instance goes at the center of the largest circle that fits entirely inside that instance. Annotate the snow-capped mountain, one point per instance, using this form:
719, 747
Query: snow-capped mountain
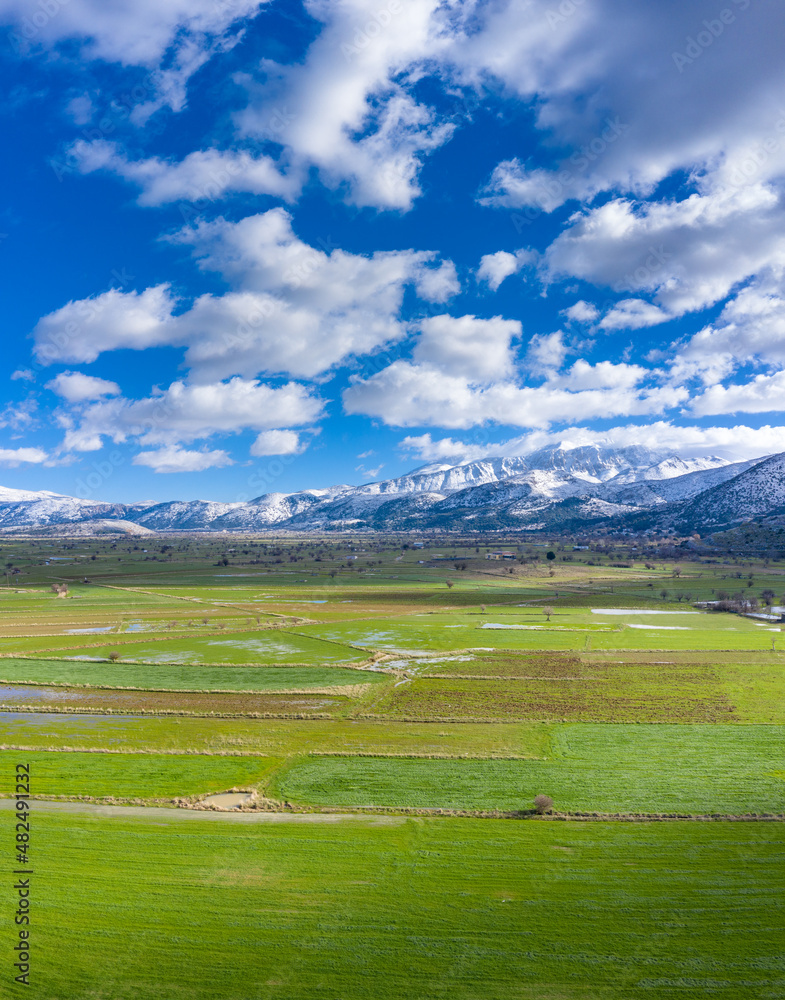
553, 488
595, 464
649, 491
52, 508
758, 491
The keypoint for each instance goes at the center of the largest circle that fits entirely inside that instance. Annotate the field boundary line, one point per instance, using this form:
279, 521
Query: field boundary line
295, 812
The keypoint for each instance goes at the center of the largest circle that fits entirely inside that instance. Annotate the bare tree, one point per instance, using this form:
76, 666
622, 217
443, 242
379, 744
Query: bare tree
547, 612
543, 804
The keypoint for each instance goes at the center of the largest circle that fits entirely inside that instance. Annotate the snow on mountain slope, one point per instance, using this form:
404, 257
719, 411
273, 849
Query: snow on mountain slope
594, 463
671, 468
184, 514
650, 492
534, 487
448, 479
558, 486
54, 509
7, 495
270, 509
757, 492
354, 508
590, 464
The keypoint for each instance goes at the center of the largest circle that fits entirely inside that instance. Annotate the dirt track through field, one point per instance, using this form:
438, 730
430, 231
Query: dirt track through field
158, 813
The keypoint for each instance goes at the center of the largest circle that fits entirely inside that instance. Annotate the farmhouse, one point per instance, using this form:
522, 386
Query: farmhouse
500, 555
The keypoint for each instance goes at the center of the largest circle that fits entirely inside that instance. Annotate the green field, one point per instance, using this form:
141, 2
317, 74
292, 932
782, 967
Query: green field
606, 769
277, 737
142, 776
350, 681
166, 677
405, 909
266, 646
584, 768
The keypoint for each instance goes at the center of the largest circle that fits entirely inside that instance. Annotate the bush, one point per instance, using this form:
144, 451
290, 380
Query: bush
543, 804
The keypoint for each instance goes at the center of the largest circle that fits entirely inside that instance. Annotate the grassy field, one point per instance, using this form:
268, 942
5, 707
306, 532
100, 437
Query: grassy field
306, 703
404, 909
143, 776
584, 768
606, 769
163, 677
277, 737
176, 667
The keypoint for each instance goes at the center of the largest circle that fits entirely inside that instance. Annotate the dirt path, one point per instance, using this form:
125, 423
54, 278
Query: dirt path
158, 813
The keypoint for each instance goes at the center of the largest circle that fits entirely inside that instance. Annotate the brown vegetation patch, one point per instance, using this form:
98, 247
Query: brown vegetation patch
192, 702
607, 692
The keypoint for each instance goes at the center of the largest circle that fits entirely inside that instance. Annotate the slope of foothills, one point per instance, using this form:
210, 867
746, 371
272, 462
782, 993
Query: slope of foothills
377, 714
555, 489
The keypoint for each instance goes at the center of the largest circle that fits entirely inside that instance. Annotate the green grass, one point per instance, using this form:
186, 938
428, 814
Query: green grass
587, 768
179, 677
271, 646
367, 910
603, 695
144, 776
171, 905
276, 737
570, 629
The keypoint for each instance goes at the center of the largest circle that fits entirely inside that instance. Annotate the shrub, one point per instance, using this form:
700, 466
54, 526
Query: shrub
543, 804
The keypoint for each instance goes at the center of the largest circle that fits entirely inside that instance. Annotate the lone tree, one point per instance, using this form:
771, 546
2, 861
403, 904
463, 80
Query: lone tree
547, 612
543, 804
450, 584
550, 556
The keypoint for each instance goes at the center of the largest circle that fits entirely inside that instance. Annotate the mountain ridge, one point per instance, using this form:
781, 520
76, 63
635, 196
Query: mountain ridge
554, 488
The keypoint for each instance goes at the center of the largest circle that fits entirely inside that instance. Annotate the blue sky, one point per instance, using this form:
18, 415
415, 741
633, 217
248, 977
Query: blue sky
257, 246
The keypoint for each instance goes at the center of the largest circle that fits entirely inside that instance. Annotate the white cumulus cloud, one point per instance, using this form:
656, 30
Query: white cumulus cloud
76, 387
277, 442
176, 459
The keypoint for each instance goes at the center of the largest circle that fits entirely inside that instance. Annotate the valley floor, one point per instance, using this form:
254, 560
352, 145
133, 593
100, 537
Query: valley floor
392, 717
